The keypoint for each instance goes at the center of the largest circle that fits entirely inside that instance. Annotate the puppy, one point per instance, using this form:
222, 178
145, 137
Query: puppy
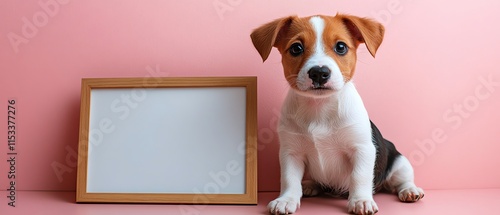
324, 126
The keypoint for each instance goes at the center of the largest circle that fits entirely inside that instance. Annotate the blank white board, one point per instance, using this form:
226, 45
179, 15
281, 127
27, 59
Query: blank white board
168, 140
206, 123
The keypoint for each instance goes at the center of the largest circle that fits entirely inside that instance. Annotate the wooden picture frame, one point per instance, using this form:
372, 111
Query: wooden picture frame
143, 139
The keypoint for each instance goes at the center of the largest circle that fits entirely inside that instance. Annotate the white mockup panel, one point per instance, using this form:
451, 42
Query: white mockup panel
167, 140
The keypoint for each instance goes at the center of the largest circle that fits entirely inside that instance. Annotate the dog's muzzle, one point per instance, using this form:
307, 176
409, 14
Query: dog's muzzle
319, 75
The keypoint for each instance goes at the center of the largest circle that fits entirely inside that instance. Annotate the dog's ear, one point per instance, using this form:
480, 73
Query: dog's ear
365, 30
268, 35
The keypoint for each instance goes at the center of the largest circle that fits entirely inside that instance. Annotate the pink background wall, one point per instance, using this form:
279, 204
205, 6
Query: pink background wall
434, 88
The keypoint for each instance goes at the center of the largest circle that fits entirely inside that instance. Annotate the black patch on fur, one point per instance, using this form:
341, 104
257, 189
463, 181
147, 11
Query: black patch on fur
386, 155
335, 192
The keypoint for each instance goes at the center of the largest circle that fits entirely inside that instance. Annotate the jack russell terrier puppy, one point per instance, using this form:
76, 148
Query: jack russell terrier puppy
324, 126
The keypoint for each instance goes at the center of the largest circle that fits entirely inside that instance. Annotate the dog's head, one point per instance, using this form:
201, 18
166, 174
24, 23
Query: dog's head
318, 52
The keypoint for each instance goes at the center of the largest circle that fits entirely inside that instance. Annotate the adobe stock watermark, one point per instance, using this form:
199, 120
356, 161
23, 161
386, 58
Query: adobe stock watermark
454, 118
31, 25
385, 16
221, 179
393, 8
268, 133
222, 7
122, 106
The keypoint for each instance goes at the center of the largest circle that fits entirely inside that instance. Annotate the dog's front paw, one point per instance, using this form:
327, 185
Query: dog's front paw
362, 206
411, 194
284, 205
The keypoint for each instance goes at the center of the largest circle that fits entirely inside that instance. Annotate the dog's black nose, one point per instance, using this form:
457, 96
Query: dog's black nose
319, 75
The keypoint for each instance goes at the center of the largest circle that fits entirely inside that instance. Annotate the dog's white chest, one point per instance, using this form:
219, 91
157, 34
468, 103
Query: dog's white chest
328, 158
329, 133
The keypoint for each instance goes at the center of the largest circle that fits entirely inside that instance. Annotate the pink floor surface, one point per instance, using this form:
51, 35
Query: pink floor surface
480, 201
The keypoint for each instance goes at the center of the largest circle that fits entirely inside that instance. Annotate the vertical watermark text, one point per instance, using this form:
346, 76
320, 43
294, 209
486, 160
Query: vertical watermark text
11, 151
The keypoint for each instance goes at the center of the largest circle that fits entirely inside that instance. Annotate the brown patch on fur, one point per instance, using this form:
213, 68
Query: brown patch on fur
301, 32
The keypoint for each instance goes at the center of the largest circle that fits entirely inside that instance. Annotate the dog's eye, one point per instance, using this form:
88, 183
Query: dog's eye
296, 49
340, 48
